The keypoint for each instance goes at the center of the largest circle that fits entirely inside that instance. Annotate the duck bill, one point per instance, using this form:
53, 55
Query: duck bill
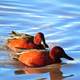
67, 57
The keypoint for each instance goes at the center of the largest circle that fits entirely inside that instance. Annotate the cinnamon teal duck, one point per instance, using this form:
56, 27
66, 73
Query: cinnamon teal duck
38, 58
24, 41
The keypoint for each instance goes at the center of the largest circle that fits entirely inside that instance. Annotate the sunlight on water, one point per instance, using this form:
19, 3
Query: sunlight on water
74, 62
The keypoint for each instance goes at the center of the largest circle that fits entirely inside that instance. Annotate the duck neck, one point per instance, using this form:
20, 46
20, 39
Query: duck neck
54, 58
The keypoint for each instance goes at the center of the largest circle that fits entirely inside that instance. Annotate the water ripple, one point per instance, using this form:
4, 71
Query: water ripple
58, 20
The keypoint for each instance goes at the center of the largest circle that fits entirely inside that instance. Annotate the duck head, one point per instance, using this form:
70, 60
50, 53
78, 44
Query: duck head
57, 52
38, 38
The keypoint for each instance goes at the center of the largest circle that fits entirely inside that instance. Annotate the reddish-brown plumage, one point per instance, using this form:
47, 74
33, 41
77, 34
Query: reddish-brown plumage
16, 43
34, 58
37, 58
27, 42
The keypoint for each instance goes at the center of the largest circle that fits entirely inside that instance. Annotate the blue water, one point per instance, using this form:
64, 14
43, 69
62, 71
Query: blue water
59, 20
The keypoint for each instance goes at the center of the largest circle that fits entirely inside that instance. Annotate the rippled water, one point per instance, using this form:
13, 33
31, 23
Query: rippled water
59, 20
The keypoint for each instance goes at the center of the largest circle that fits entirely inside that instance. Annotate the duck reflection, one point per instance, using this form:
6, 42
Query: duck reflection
54, 71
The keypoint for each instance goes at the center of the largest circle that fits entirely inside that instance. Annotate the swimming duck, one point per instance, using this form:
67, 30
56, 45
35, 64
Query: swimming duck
38, 58
25, 41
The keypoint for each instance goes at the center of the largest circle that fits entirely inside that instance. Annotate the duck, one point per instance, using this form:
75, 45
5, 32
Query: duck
24, 41
39, 58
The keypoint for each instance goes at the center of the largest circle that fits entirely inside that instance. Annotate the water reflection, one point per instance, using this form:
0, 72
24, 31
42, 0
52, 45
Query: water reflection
53, 70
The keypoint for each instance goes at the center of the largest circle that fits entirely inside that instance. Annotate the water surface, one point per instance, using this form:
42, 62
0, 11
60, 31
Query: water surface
59, 20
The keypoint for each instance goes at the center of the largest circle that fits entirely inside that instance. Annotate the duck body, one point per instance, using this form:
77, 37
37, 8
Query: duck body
38, 58
16, 43
35, 58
